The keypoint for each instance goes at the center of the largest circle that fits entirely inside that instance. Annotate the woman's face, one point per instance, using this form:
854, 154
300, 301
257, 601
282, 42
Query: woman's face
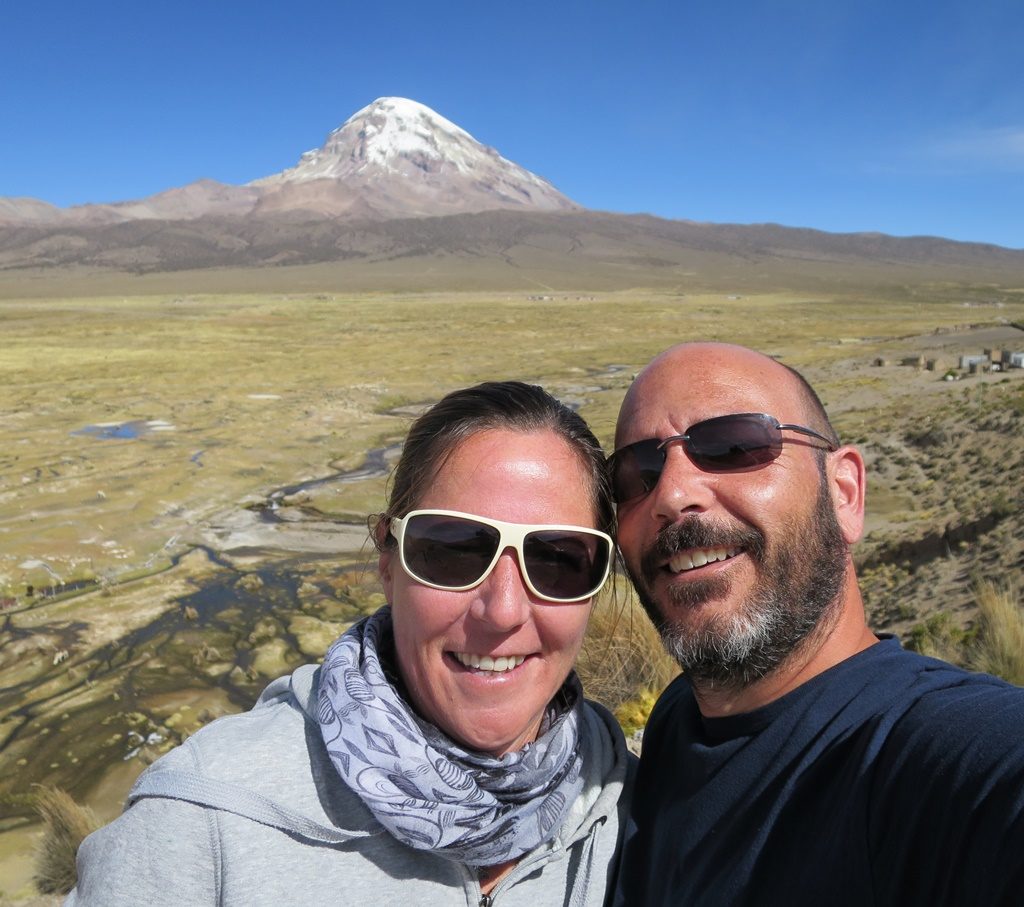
439, 635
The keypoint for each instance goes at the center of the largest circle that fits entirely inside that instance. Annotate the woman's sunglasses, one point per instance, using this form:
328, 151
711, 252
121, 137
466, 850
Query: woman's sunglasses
446, 549
722, 444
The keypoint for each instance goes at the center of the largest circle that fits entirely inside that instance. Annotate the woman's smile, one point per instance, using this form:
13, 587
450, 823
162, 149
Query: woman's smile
499, 664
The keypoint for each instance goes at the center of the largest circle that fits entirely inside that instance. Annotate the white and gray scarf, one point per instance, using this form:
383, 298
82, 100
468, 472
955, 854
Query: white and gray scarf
426, 790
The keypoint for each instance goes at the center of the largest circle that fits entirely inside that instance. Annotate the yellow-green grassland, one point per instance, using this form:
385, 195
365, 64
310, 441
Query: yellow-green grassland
166, 547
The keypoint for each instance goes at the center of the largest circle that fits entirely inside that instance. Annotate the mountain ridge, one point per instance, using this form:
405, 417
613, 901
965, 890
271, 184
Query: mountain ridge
398, 183
497, 250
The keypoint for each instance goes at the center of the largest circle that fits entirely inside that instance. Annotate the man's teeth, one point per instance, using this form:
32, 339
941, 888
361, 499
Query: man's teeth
688, 560
485, 663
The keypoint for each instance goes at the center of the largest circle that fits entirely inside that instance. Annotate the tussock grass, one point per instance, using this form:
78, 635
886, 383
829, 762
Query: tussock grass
940, 637
995, 645
65, 825
999, 647
623, 664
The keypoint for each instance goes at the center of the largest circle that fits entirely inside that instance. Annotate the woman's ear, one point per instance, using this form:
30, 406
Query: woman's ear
384, 565
380, 531
848, 484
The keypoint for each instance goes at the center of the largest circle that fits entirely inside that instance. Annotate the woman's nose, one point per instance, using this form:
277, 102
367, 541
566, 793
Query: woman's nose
503, 599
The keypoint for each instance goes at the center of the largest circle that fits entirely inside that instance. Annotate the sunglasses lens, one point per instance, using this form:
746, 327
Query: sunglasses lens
453, 552
566, 565
734, 442
636, 469
447, 550
724, 443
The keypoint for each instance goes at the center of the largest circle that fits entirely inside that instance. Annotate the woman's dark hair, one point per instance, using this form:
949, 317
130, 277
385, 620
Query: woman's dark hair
508, 405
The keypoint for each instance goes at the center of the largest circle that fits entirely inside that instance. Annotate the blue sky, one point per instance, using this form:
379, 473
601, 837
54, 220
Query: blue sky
903, 117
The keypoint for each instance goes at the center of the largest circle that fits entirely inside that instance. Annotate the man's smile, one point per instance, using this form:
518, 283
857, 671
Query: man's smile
699, 557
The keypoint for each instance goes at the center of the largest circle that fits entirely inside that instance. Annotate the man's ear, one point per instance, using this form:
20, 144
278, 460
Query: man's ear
848, 484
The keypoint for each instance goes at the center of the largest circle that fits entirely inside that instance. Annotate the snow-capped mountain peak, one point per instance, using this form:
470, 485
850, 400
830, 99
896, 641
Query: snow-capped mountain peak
393, 128
399, 157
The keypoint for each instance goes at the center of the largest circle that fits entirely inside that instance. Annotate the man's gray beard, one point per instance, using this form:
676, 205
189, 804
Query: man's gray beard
796, 594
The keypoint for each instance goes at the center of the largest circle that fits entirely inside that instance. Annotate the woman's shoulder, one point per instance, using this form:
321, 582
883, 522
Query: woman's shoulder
270, 757
608, 766
236, 744
279, 714
600, 728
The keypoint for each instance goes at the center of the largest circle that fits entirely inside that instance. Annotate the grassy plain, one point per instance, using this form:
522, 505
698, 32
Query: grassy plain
150, 583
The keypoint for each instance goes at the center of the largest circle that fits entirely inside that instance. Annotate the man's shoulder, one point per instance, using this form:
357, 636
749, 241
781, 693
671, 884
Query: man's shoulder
930, 690
928, 725
948, 709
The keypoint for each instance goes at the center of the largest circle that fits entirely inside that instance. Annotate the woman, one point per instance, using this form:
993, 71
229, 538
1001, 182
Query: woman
443, 753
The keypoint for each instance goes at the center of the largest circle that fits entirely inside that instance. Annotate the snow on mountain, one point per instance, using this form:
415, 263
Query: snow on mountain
399, 158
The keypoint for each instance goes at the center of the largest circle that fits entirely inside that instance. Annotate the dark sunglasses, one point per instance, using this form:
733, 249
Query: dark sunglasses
722, 444
447, 549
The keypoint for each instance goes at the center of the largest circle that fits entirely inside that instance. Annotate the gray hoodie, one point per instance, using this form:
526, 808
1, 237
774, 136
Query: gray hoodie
249, 811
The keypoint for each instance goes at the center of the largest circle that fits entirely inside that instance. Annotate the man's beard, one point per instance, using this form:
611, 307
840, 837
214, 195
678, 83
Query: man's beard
797, 591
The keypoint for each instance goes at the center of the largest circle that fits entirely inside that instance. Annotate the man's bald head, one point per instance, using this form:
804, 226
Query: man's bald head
703, 362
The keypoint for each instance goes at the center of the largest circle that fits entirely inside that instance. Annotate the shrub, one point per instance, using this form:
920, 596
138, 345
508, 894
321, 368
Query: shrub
633, 714
65, 823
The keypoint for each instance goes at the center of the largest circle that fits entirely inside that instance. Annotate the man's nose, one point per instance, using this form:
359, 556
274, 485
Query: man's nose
682, 486
503, 599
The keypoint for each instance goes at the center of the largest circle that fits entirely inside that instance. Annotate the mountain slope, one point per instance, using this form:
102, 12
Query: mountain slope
495, 249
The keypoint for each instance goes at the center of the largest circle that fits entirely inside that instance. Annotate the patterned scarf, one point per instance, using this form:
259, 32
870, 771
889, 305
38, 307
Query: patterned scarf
425, 789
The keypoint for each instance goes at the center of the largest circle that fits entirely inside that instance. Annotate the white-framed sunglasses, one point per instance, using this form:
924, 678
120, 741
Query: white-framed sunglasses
455, 551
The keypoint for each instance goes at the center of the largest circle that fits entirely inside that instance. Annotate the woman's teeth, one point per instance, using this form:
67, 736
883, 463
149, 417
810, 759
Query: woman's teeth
688, 560
486, 663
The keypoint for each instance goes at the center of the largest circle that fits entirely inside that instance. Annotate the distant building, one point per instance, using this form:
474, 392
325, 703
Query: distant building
1016, 360
968, 361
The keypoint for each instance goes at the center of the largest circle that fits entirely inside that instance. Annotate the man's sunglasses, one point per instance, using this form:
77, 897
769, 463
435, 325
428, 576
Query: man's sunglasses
446, 549
722, 444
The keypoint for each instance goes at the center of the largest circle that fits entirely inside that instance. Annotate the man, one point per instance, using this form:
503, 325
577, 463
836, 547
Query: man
798, 759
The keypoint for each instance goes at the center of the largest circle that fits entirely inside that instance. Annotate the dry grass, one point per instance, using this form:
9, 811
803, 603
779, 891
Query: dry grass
65, 825
999, 648
623, 664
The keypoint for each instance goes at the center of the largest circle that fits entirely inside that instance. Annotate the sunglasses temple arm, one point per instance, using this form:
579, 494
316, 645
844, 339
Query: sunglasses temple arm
832, 446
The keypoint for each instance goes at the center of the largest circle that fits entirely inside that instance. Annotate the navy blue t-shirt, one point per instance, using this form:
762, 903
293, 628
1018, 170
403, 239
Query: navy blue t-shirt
890, 779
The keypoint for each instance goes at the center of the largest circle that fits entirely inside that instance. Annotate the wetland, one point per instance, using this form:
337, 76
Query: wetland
185, 480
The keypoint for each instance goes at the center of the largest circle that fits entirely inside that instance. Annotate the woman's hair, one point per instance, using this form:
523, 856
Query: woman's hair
507, 405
